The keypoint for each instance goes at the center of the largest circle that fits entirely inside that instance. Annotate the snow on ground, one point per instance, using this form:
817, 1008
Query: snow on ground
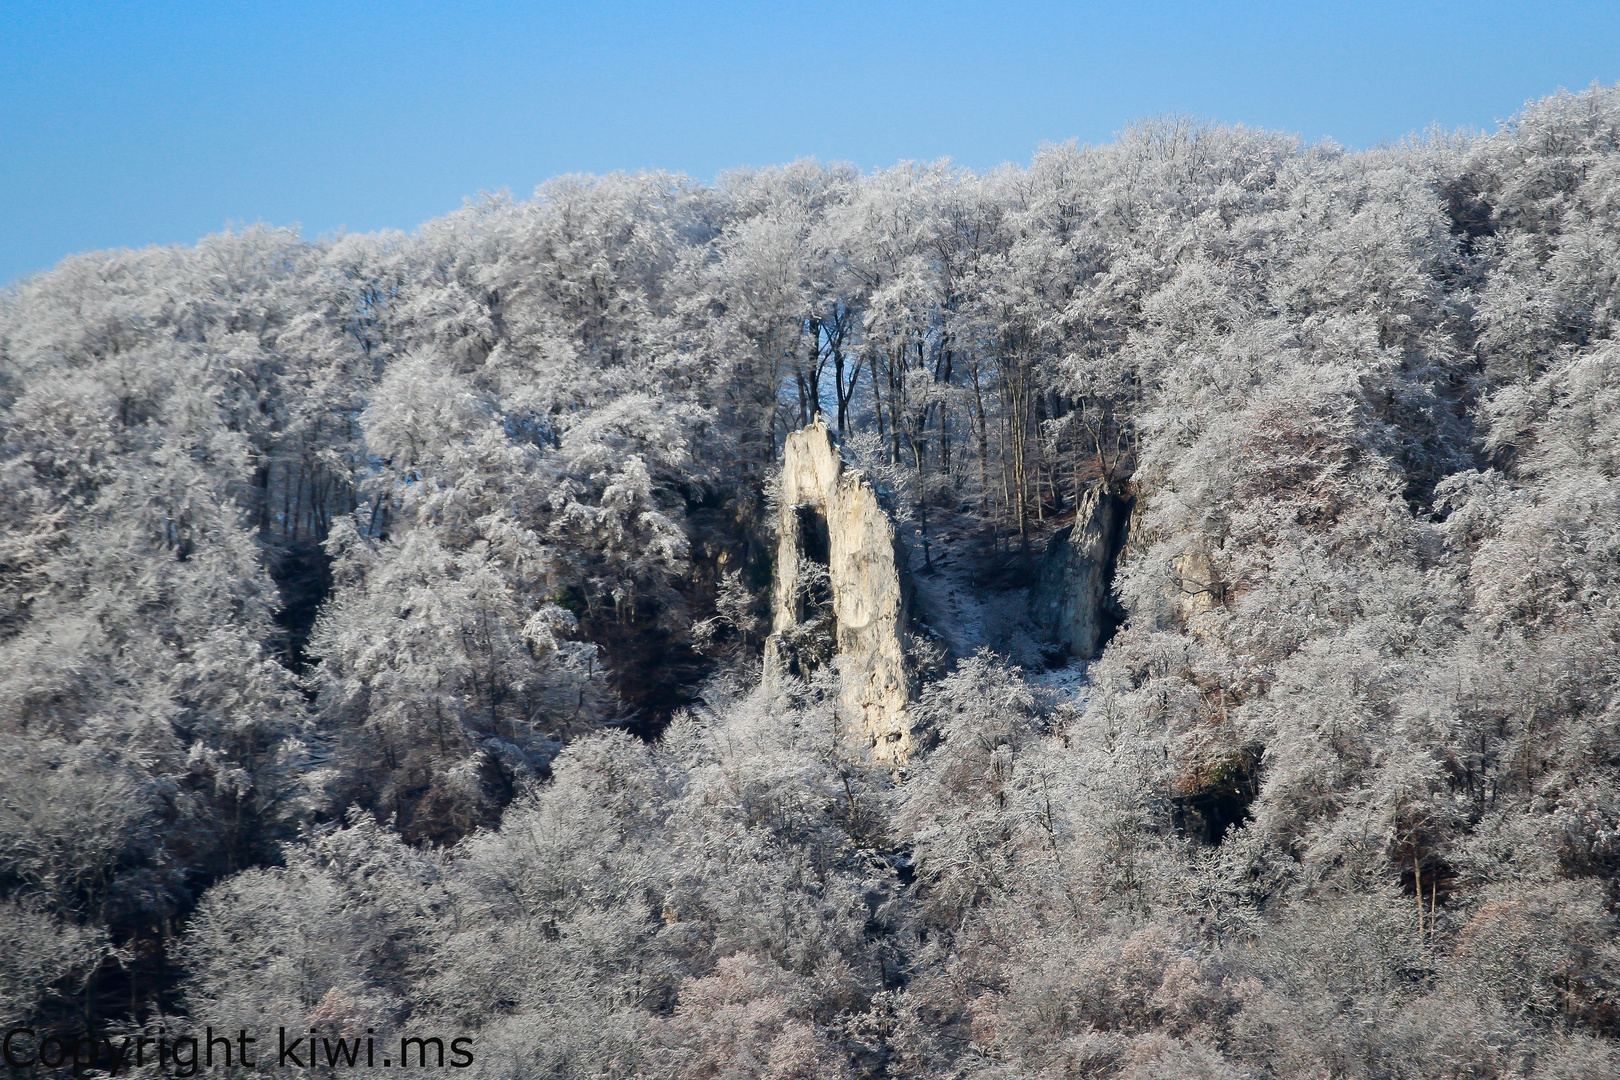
1070, 684
975, 594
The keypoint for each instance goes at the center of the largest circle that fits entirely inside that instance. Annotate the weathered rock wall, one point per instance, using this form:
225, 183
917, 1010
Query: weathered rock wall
867, 595
1070, 601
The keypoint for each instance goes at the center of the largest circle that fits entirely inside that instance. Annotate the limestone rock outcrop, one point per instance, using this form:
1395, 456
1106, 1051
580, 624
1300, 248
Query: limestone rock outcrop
838, 582
1071, 599
1200, 588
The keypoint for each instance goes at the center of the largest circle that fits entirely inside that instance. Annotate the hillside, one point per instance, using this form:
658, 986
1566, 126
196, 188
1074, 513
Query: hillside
395, 630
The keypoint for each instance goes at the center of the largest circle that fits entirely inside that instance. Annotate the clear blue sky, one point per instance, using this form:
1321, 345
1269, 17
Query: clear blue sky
124, 124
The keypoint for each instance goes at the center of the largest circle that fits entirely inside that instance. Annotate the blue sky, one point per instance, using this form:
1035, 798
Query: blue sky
125, 124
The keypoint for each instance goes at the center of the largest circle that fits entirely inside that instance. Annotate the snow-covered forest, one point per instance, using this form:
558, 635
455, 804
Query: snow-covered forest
381, 621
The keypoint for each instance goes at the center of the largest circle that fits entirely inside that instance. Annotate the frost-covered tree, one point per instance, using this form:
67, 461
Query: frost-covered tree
380, 616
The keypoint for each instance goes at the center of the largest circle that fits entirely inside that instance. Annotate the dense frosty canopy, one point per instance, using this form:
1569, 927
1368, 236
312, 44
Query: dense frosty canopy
380, 618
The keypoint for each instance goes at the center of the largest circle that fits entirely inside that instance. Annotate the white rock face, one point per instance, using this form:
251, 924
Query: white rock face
1200, 588
868, 603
